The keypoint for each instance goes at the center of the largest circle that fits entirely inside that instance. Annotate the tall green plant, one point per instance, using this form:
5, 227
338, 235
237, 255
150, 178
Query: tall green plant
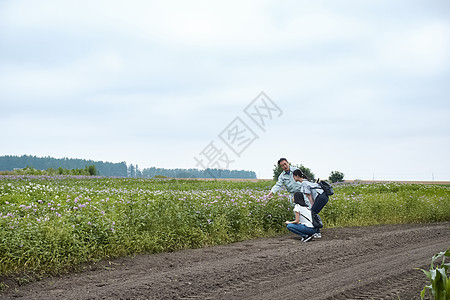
276, 172
440, 282
336, 176
307, 172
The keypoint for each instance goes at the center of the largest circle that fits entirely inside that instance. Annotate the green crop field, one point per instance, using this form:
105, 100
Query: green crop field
52, 224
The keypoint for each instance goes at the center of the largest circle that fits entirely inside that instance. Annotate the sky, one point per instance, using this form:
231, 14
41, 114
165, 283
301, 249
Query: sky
360, 87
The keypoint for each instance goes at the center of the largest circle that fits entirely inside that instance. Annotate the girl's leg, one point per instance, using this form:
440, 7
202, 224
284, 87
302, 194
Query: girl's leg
319, 203
301, 230
293, 228
308, 230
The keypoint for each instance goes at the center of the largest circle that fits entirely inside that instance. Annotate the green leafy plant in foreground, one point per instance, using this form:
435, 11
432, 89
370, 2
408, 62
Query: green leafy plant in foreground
440, 282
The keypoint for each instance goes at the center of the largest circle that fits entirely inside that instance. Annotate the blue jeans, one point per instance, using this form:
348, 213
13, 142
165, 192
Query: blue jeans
301, 229
319, 203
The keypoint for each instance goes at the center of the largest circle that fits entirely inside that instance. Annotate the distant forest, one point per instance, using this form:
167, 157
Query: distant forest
10, 162
196, 173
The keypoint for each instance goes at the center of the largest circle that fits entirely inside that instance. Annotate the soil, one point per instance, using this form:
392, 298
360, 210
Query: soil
377, 262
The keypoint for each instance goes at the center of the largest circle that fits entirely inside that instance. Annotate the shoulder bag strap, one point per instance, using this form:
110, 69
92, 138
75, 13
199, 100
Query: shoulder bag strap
306, 218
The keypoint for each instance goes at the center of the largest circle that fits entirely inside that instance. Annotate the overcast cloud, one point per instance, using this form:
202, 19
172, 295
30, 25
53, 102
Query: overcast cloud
363, 86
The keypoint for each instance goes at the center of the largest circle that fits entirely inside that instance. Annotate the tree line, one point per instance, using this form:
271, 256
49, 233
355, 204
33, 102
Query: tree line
11, 163
195, 173
87, 171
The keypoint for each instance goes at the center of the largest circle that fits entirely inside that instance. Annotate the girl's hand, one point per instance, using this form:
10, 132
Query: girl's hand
287, 222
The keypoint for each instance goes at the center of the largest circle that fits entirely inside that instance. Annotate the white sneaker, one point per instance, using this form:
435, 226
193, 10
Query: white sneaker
317, 235
307, 239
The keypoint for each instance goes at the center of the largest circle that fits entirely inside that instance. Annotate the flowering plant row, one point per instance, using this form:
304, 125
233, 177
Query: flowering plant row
50, 224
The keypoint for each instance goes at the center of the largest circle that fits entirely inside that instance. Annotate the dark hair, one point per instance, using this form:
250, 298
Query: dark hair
281, 159
299, 199
299, 174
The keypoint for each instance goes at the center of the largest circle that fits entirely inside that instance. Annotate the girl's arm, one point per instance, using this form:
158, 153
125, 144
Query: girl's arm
310, 199
297, 219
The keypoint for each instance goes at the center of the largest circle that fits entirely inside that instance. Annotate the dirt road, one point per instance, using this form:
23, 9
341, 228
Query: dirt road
347, 263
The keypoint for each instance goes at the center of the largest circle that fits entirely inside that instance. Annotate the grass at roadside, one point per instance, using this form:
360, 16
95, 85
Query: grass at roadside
360, 204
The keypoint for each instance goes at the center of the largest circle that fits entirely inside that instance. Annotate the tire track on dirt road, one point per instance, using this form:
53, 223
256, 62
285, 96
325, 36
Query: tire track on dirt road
347, 263
360, 267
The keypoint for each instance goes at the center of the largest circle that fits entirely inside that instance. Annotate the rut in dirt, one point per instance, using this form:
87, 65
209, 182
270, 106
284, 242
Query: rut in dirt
375, 262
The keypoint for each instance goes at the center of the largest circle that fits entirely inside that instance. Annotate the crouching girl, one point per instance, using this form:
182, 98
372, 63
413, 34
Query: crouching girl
302, 224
